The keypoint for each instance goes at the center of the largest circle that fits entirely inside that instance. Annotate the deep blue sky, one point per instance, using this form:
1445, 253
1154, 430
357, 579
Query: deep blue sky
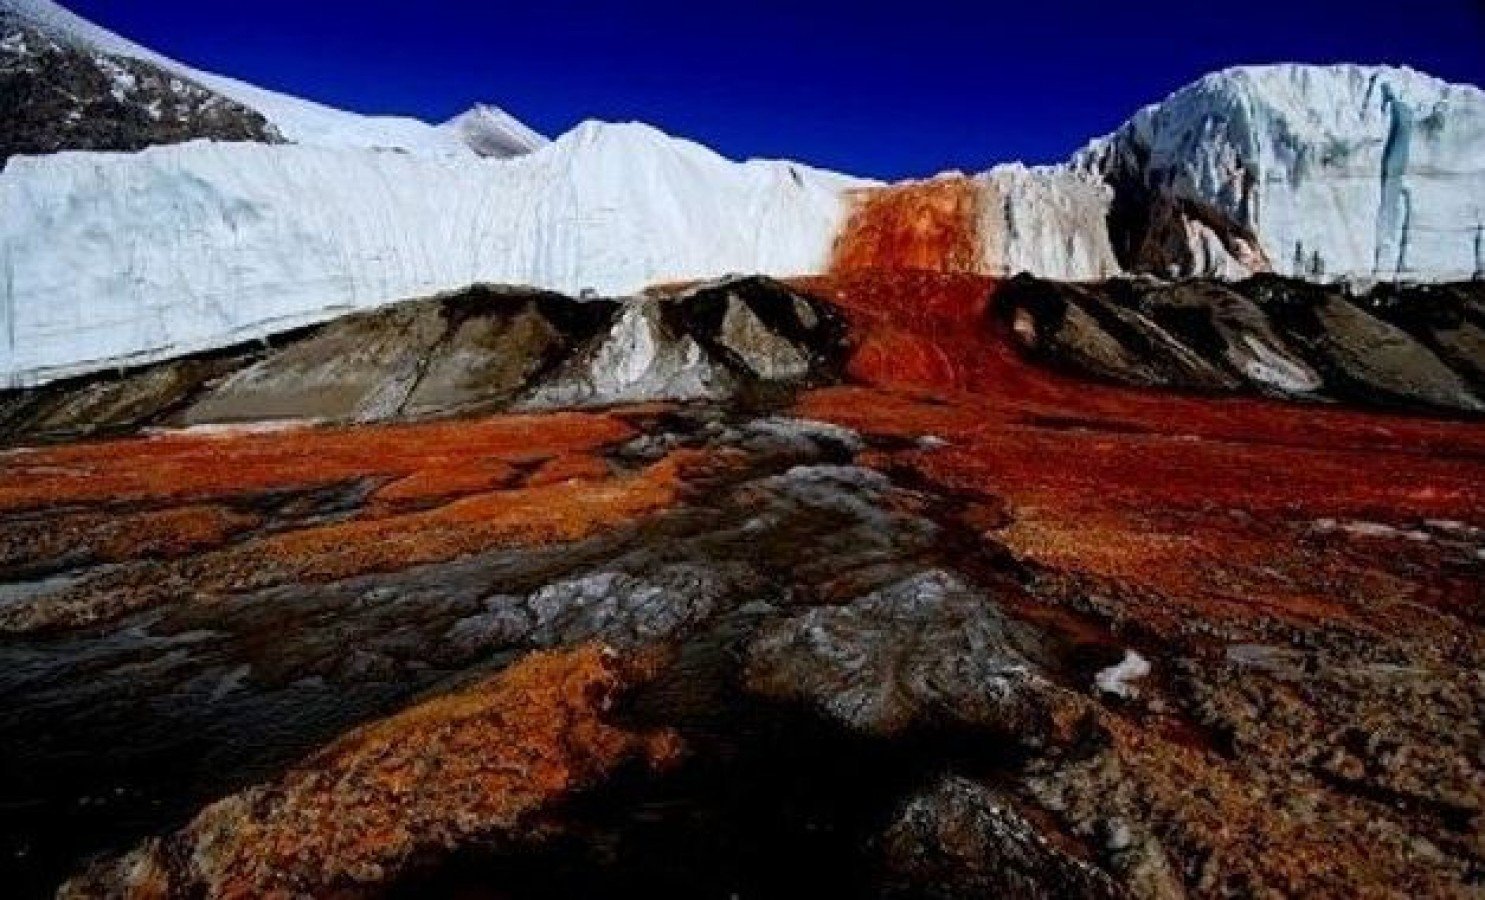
907, 88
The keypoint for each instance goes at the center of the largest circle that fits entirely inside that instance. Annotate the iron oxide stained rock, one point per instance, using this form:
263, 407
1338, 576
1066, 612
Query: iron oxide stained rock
468, 766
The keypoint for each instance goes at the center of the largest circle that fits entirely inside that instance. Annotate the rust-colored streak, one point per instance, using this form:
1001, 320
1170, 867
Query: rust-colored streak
447, 490
443, 482
1212, 508
464, 767
563, 511
569, 467
184, 466
925, 225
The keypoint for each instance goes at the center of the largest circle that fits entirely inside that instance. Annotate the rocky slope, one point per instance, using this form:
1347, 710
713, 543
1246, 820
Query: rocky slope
755, 340
740, 340
1022, 634
1417, 347
57, 96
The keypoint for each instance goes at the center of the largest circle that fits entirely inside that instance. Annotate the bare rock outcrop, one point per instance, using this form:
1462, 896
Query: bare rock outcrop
58, 96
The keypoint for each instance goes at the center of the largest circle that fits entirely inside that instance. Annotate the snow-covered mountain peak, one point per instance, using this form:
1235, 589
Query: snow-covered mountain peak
591, 133
493, 132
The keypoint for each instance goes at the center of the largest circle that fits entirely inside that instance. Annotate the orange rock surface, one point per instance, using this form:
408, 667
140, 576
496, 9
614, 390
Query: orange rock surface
183, 466
474, 764
448, 490
1216, 503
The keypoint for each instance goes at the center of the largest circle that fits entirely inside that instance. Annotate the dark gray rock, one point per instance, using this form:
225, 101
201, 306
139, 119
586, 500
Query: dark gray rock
356, 369
1409, 346
926, 651
490, 352
112, 404
962, 840
620, 609
765, 330
1385, 359
1229, 330
54, 96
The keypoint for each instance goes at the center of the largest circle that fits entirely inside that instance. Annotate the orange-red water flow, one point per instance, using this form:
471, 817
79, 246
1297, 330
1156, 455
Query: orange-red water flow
1209, 504
925, 333
910, 328
903, 273
925, 225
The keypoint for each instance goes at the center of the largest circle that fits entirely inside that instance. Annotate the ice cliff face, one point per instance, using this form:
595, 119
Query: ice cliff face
1048, 221
483, 131
111, 259
1317, 172
1323, 173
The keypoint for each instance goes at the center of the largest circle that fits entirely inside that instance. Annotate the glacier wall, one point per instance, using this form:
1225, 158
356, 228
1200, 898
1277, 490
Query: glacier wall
1048, 221
1338, 172
115, 259
1355, 172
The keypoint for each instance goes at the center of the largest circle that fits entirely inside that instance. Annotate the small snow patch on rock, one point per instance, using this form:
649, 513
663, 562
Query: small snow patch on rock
1116, 679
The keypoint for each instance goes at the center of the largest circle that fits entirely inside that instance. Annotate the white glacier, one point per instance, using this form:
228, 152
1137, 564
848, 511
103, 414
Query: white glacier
112, 259
1049, 221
